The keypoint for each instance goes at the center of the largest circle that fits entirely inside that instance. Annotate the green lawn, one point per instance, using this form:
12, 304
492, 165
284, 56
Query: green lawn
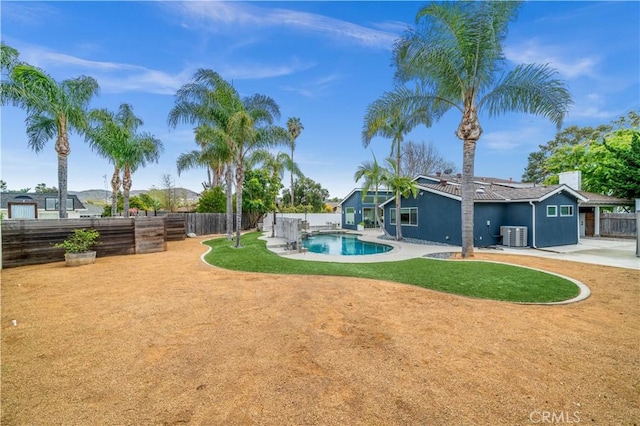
474, 279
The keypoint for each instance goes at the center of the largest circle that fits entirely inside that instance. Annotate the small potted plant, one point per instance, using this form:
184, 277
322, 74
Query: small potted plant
361, 226
77, 247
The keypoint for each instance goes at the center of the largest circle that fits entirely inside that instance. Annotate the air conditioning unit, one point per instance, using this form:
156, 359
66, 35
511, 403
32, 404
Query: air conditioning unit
514, 236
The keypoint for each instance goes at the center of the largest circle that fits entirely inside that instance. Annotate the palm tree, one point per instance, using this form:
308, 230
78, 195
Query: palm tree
196, 103
53, 110
246, 123
400, 184
143, 148
392, 117
374, 176
114, 137
276, 164
454, 55
295, 127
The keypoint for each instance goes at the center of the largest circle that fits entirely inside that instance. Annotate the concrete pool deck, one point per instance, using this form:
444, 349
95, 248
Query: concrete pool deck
599, 251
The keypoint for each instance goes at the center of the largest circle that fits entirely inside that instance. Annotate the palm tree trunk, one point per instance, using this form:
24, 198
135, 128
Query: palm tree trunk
398, 195
468, 194
239, 186
63, 150
229, 194
115, 186
62, 184
292, 201
126, 187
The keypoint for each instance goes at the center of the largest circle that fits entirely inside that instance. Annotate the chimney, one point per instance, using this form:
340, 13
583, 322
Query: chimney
459, 175
438, 174
443, 182
510, 179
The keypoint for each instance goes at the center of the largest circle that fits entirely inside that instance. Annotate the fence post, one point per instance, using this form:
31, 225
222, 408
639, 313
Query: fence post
637, 227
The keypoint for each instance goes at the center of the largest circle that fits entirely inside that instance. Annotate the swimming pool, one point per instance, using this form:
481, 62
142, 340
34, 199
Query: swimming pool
342, 245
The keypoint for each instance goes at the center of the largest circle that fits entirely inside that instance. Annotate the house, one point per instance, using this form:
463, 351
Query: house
505, 212
29, 205
590, 210
356, 209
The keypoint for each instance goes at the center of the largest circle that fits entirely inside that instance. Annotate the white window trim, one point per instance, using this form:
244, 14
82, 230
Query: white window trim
393, 222
570, 208
555, 211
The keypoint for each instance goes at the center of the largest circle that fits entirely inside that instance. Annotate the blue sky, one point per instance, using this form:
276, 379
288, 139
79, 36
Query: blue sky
321, 61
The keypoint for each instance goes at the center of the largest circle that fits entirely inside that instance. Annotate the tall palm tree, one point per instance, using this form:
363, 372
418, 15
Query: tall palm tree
213, 154
276, 165
295, 127
115, 137
392, 117
196, 103
455, 55
53, 110
246, 123
374, 176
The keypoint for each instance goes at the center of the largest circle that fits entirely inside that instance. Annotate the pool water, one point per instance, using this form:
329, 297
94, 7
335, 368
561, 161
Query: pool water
342, 245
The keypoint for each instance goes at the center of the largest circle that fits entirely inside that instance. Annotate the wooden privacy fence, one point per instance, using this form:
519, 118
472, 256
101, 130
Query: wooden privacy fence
618, 225
30, 242
206, 223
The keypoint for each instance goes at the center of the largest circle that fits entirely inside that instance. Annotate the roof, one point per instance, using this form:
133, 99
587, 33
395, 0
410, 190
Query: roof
37, 197
594, 199
353, 191
499, 193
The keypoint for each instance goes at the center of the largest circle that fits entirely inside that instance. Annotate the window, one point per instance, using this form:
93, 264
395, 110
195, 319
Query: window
370, 199
566, 210
552, 211
22, 210
350, 216
52, 203
408, 216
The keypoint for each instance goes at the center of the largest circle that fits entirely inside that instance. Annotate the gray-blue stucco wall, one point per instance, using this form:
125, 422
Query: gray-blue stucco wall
439, 220
355, 201
558, 230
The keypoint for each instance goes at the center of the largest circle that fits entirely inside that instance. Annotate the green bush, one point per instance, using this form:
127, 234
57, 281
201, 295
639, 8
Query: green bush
80, 241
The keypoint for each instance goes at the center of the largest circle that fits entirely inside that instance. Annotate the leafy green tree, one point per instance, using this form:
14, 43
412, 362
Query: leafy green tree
3, 186
150, 202
311, 196
276, 165
42, 188
53, 110
212, 200
623, 174
374, 176
538, 171
260, 190
455, 56
294, 127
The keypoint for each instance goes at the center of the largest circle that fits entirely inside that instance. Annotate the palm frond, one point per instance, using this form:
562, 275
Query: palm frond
40, 129
532, 89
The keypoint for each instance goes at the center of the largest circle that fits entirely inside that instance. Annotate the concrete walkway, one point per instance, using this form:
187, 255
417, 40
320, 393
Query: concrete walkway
600, 251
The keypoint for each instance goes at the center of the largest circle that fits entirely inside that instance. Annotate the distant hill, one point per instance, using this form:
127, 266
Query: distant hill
98, 196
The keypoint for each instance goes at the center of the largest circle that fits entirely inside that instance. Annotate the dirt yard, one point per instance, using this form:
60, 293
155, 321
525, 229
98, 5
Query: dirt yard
165, 339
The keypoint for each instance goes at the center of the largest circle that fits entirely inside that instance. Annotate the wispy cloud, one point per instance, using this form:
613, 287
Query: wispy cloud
28, 13
558, 57
507, 140
314, 89
259, 71
113, 77
230, 15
